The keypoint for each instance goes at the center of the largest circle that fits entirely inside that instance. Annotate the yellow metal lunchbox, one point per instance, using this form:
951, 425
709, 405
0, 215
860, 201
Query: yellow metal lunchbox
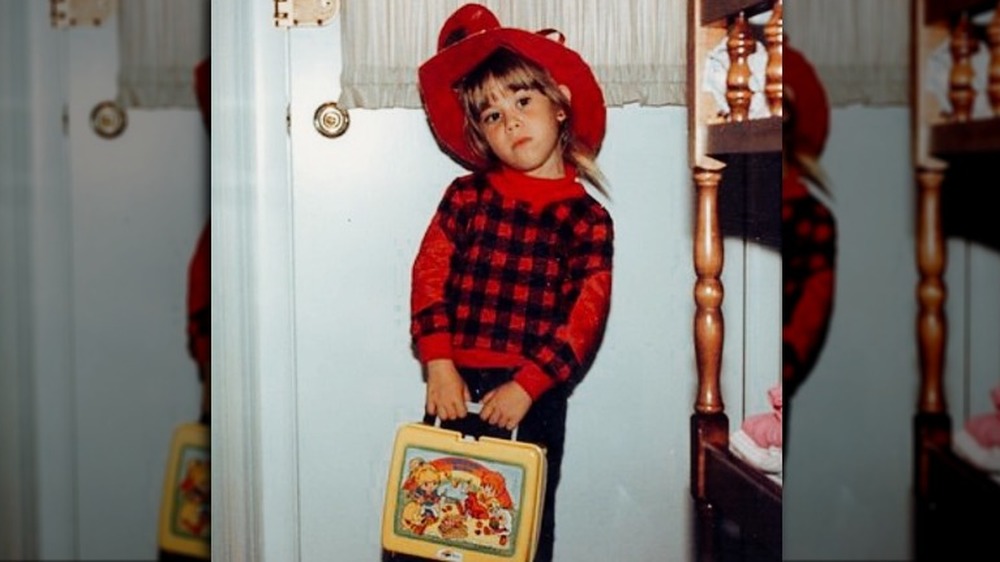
454, 498
185, 519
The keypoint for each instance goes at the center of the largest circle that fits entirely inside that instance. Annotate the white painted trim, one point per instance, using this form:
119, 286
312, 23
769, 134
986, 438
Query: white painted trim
254, 447
52, 305
17, 458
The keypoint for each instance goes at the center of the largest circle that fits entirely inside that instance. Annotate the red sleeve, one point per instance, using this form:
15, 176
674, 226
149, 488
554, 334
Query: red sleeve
579, 336
563, 356
199, 330
805, 331
430, 323
809, 275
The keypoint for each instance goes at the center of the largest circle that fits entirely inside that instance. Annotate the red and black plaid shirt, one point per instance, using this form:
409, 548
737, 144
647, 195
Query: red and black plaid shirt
809, 253
514, 270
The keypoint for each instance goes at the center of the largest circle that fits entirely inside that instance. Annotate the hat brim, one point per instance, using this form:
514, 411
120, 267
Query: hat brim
438, 76
807, 96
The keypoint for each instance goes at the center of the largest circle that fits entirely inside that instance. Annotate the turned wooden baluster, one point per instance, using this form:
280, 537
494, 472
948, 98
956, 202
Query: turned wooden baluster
960, 90
740, 45
993, 39
708, 292
773, 40
931, 291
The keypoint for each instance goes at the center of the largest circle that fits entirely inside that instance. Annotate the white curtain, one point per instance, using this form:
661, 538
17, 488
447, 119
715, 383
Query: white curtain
160, 42
860, 48
637, 48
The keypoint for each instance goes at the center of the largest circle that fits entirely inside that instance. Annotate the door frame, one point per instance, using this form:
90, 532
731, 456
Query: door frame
254, 447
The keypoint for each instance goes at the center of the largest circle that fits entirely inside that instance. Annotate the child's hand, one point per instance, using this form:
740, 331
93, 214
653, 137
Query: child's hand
446, 391
506, 405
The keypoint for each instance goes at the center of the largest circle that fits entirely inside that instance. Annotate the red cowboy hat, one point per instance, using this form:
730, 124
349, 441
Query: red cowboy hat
473, 33
203, 90
805, 93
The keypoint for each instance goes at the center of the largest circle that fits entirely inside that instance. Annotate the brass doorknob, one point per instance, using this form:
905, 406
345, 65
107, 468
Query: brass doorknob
108, 119
330, 120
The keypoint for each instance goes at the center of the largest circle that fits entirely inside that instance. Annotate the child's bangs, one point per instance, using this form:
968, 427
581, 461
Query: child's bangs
502, 78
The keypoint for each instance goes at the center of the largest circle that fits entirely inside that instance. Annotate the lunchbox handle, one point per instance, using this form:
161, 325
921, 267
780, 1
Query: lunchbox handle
472, 408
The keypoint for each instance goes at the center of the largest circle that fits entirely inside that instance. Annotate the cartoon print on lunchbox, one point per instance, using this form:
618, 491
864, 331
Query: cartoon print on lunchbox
472, 504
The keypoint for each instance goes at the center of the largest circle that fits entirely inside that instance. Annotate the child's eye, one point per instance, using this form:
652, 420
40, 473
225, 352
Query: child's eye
490, 117
523, 101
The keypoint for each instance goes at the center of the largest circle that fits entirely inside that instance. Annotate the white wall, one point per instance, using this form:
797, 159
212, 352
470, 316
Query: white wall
112, 226
848, 478
138, 207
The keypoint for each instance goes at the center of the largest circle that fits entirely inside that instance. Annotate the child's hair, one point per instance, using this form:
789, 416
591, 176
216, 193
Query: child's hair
514, 72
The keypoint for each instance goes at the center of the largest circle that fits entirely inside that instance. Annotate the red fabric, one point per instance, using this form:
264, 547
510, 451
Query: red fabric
199, 299
808, 238
468, 37
514, 276
809, 231
806, 96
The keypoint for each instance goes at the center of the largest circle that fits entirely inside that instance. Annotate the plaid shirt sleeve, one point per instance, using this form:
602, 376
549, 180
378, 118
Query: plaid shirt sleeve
562, 355
809, 279
430, 326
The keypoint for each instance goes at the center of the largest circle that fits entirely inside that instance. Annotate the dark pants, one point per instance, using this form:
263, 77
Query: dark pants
544, 424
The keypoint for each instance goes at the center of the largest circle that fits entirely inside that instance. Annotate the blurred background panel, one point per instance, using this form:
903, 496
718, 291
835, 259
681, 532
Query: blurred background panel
97, 226
851, 479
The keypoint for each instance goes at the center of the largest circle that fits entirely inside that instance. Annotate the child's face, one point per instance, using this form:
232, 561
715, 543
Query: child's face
522, 129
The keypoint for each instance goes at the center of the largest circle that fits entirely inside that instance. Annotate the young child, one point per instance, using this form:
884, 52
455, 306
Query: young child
196, 508
809, 231
512, 282
199, 329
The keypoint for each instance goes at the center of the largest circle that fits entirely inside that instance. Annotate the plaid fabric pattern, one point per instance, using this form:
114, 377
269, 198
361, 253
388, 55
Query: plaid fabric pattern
515, 274
199, 325
808, 240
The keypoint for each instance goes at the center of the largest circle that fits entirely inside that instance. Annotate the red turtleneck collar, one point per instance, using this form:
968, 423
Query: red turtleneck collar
537, 192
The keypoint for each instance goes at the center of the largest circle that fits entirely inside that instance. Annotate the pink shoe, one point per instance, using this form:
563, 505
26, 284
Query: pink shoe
758, 440
765, 429
985, 428
979, 440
